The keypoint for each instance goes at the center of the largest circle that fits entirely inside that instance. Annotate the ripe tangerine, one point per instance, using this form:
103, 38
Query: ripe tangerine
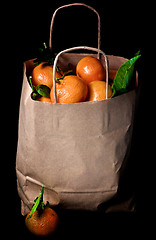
43, 74
71, 89
44, 223
44, 99
112, 74
90, 69
97, 91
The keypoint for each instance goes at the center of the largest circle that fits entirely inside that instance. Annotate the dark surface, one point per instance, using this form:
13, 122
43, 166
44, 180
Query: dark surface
82, 225
123, 30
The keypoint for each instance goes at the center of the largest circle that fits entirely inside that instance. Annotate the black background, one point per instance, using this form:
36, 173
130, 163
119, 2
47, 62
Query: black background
125, 29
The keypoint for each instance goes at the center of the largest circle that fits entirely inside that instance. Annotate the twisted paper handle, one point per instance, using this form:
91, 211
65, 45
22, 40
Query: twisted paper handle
69, 5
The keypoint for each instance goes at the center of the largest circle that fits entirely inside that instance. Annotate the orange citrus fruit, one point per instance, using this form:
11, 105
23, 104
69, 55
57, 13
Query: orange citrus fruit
44, 99
90, 69
111, 76
43, 74
112, 73
71, 89
44, 223
97, 91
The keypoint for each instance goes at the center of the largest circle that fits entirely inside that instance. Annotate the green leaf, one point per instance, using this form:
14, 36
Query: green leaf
38, 203
44, 55
43, 90
124, 76
137, 53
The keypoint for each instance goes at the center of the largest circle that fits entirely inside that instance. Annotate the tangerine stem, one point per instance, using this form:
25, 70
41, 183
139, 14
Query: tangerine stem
45, 45
65, 74
38, 202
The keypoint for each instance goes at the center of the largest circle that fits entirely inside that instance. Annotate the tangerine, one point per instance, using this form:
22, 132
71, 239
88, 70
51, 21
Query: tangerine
97, 91
112, 73
44, 99
43, 74
90, 69
44, 223
71, 89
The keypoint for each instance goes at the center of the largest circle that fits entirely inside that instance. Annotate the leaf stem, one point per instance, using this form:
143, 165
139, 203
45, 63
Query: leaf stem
45, 45
65, 74
38, 203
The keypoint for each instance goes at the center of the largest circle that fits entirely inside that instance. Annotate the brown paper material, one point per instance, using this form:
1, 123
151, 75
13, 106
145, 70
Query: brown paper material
75, 150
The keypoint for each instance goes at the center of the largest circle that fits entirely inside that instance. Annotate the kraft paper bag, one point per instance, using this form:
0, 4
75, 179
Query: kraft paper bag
77, 152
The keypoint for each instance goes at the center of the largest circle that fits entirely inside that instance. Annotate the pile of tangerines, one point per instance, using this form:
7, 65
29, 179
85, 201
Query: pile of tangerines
88, 84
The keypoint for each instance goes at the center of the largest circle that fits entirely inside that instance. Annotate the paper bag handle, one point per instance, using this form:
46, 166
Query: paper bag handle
69, 5
77, 48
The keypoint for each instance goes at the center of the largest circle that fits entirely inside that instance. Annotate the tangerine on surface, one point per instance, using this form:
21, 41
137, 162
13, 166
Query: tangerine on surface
43, 74
90, 69
44, 223
97, 91
71, 89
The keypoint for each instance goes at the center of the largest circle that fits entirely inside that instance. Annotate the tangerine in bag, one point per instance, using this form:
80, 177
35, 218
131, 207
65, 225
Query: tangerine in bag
90, 69
71, 89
